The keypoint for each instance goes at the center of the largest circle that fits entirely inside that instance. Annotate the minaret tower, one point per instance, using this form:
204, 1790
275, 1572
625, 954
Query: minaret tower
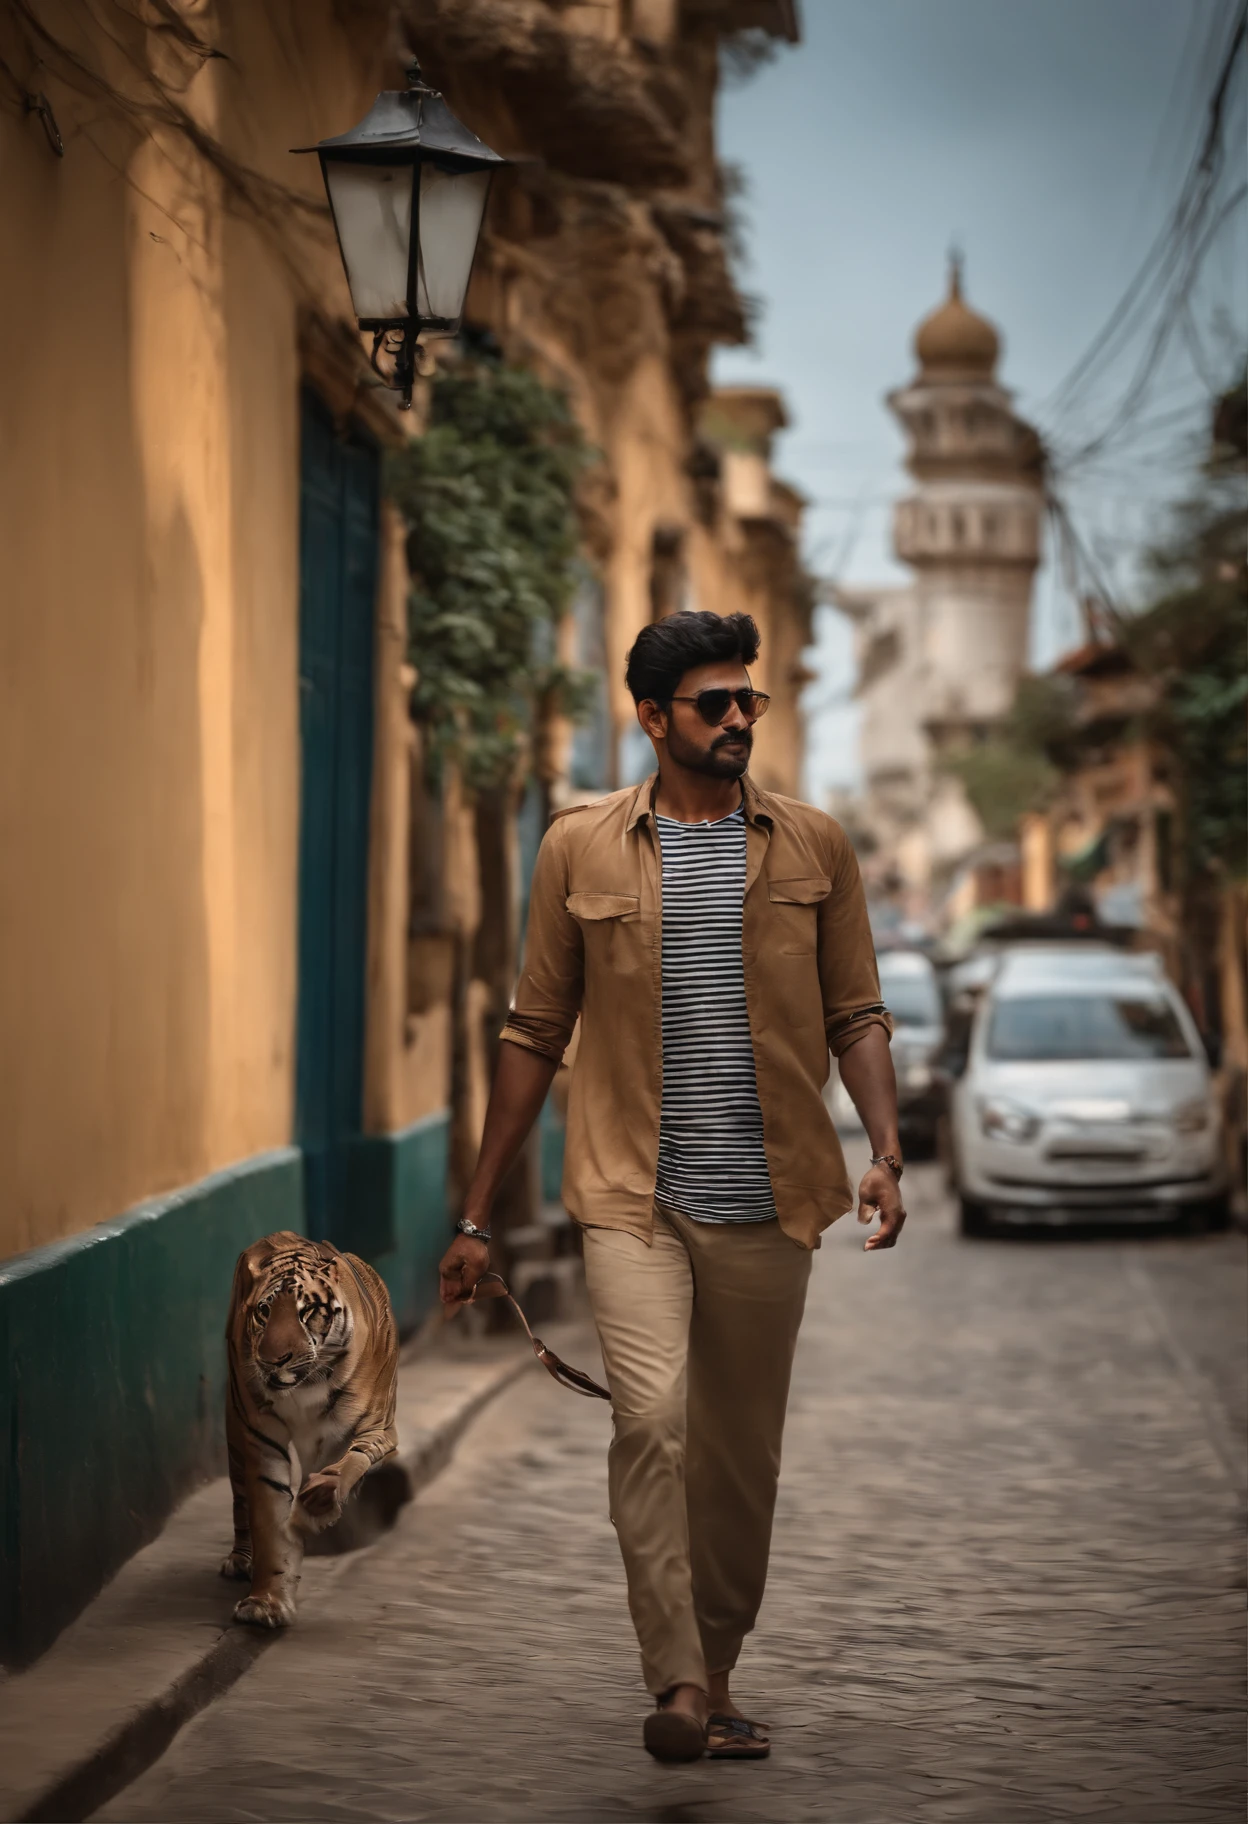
971, 527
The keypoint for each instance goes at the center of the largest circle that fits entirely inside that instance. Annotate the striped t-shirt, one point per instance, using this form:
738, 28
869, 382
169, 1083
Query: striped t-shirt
712, 1166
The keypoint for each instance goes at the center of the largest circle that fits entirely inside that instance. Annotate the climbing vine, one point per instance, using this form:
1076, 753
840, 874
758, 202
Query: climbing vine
489, 496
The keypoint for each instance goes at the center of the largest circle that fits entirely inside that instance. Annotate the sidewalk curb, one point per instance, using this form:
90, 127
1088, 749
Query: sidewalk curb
425, 1462
139, 1742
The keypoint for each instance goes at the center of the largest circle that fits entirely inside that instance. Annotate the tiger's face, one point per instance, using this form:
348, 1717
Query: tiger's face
298, 1324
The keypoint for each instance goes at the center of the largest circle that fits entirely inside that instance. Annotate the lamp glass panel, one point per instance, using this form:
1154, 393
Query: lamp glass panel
451, 206
372, 207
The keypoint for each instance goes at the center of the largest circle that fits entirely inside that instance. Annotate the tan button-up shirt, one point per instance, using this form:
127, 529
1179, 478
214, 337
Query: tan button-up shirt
595, 948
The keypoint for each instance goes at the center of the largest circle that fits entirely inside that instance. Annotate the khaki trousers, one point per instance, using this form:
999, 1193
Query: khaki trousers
698, 1332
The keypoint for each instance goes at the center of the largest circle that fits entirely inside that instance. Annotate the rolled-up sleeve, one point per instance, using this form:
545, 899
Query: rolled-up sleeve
848, 975
548, 994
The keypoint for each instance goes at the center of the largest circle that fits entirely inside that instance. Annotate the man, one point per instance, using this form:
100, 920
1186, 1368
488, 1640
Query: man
714, 941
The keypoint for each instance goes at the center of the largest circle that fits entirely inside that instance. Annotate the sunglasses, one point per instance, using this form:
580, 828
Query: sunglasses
493, 1285
712, 705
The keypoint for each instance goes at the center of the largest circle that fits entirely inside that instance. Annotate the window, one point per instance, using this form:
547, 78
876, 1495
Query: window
1094, 1027
912, 1000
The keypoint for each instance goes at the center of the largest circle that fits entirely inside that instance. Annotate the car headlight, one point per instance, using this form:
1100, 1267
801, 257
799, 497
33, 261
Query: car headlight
1004, 1120
1192, 1117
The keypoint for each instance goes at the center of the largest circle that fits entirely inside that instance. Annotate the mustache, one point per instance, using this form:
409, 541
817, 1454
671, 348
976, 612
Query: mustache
736, 737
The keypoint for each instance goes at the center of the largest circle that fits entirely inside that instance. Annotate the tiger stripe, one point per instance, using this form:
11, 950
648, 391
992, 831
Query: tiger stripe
313, 1357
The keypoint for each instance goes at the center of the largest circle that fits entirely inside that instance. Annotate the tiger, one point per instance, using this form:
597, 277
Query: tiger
313, 1354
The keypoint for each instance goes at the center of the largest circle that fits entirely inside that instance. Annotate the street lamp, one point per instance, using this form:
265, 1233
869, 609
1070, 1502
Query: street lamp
407, 190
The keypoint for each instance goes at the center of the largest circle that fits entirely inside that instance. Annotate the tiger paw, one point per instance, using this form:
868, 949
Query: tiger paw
265, 1611
237, 1567
320, 1500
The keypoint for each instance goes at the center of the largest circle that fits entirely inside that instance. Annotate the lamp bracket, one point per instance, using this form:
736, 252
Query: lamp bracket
402, 352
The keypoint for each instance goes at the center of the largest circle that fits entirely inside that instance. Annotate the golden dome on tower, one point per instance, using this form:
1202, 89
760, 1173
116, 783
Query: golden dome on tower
955, 340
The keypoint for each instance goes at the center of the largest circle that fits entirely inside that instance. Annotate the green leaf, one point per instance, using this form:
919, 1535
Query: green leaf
489, 497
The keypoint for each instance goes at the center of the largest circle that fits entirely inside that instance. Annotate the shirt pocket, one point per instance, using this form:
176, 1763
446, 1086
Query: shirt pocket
611, 933
591, 907
794, 916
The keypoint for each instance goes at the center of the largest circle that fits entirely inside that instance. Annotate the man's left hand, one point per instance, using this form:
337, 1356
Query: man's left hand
880, 1194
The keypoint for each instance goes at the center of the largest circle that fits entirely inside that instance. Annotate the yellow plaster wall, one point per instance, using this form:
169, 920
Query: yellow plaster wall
149, 774
646, 442
407, 1054
732, 575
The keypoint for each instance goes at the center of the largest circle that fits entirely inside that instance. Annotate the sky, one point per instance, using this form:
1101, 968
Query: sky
1049, 140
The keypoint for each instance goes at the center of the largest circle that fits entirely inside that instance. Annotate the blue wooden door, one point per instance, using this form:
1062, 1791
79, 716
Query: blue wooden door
338, 546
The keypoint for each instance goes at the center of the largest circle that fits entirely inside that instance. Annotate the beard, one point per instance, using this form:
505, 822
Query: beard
728, 756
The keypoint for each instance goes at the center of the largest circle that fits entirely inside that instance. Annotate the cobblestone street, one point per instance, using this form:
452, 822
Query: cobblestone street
1006, 1583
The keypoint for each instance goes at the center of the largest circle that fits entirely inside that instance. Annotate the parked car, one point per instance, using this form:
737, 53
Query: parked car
1081, 1092
909, 989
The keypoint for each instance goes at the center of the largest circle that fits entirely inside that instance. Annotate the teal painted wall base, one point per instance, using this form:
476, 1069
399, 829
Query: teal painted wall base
399, 1214
112, 1401
112, 1391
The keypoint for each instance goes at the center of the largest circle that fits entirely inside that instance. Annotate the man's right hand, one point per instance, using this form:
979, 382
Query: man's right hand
462, 1266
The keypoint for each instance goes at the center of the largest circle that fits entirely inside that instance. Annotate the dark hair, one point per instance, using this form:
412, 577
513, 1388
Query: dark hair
665, 651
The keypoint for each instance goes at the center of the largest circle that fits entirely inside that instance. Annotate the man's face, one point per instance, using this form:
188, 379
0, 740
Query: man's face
723, 751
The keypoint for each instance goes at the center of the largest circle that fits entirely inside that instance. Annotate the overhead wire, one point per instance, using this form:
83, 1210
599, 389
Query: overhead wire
1155, 307
1170, 319
1169, 268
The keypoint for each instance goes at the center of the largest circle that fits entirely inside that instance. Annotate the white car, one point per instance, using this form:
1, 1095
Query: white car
1085, 1095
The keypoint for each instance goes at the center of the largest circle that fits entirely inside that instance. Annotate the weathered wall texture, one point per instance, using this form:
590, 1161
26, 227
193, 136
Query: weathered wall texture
149, 500
408, 1039
174, 281
605, 264
750, 557
168, 310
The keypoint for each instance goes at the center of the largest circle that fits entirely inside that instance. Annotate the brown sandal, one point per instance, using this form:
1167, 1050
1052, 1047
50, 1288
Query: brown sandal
736, 1738
674, 1735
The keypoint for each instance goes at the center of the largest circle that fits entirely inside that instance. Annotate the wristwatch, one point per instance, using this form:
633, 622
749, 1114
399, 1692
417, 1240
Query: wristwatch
470, 1229
891, 1161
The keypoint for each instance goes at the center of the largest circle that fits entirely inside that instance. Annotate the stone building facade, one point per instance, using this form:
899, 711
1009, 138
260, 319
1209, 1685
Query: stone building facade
939, 661
754, 566
605, 266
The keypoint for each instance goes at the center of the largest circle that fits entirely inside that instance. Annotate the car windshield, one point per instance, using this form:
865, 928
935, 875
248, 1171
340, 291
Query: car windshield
1042, 1028
912, 1000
